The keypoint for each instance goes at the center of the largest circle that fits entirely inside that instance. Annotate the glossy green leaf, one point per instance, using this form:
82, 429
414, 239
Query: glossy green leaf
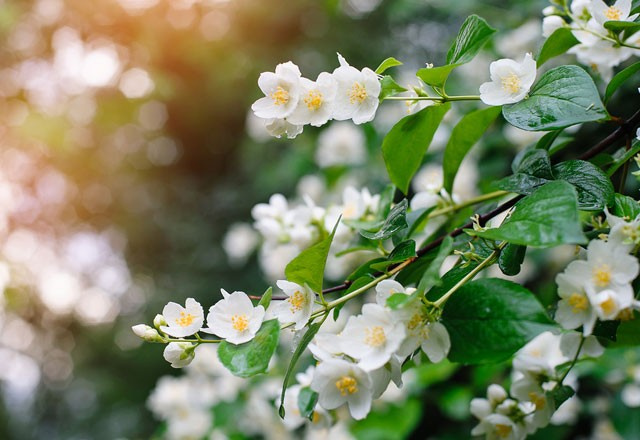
620, 78
625, 206
558, 43
548, 217
396, 221
389, 87
251, 358
435, 76
265, 299
520, 183
386, 64
450, 279
308, 266
401, 252
431, 276
307, 399
628, 27
511, 258
463, 136
404, 147
490, 319
564, 96
534, 162
473, 34
595, 190
561, 394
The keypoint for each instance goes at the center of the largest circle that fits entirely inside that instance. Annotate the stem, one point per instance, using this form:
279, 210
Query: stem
484, 263
573, 362
473, 201
434, 98
195, 341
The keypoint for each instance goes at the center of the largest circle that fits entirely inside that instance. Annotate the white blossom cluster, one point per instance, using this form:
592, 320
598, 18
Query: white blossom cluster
599, 286
597, 48
292, 101
529, 405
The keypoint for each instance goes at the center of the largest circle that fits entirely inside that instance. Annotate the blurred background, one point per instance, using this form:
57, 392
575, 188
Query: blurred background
125, 159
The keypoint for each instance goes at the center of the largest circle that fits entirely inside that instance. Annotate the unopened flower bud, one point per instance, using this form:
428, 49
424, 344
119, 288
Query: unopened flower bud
147, 333
496, 394
159, 321
179, 354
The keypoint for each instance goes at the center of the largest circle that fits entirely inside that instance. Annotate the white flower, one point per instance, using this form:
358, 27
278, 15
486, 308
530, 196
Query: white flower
608, 304
338, 382
574, 308
619, 11
541, 355
357, 96
282, 92
631, 395
499, 427
580, 9
234, 318
179, 354
297, 307
435, 341
183, 321
625, 234
510, 81
281, 127
341, 144
372, 337
316, 102
527, 389
551, 24
239, 242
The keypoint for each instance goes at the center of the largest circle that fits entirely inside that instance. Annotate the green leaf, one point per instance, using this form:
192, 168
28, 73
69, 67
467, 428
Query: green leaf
534, 162
265, 300
389, 87
404, 147
416, 219
629, 27
308, 266
511, 258
547, 140
625, 206
464, 135
620, 79
520, 183
366, 269
394, 422
561, 394
626, 421
595, 190
357, 284
398, 300
401, 252
431, 276
564, 96
435, 76
490, 319
548, 217
628, 332
251, 358
386, 64
558, 43
473, 34
302, 346
307, 399
396, 221
450, 279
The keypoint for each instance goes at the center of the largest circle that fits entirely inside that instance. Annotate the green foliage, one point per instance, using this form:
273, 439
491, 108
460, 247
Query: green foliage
393, 423
625, 206
401, 252
511, 258
548, 217
251, 358
435, 76
307, 399
560, 394
617, 27
395, 221
386, 64
464, 135
490, 319
431, 276
389, 87
564, 96
620, 78
595, 190
626, 421
265, 299
558, 43
406, 143
308, 266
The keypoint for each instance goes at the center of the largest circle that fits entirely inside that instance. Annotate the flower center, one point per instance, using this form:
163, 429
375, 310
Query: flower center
349, 211
602, 275
185, 319
613, 13
313, 100
297, 301
578, 302
375, 336
511, 83
239, 322
358, 93
280, 96
414, 322
538, 400
347, 385
608, 306
503, 431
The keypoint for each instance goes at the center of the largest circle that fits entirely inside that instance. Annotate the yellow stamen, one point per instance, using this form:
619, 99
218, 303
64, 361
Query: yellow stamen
602, 275
297, 301
280, 96
613, 13
239, 322
608, 306
347, 385
358, 93
415, 321
313, 100
375, 336
511, 83
538, 400
578, 302
503, 430
185, 319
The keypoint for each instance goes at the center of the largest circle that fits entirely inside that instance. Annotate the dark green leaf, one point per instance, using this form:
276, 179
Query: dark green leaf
625, 206
431, 276
388, 87
404, 147
396, 221
627, 333
265, 299
386, 64
620, 79
547, 140
417, 219
558, 43
534, 162
365, 269
629, 27
520, 183
450, 279
594, 188
251, 358
626, 421
404, 250
511, 258
464, 135
561, 394
308, 266
548, 217
490, 319
473, 34
302, 346
435, 76
564, 96
307, 399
